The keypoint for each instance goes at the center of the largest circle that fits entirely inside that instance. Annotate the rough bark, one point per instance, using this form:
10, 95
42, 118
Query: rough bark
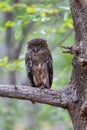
78, 109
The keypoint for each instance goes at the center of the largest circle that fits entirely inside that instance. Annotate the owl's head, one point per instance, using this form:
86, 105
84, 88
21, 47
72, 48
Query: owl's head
37, 44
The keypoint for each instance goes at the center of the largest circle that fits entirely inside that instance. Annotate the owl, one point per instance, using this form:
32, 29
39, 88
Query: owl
38, 61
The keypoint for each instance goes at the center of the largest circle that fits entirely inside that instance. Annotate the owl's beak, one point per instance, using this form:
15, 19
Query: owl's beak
35, 49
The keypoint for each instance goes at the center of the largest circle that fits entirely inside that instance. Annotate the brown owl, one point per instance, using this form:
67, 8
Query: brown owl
38, 63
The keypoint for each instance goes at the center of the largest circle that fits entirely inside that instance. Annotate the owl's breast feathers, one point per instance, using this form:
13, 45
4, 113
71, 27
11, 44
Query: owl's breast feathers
40, 72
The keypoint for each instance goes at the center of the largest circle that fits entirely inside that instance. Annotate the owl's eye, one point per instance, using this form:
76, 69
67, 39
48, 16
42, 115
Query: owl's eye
40, 44
31, 46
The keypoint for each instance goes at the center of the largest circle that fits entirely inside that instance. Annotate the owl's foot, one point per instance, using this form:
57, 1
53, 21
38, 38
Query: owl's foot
41, 88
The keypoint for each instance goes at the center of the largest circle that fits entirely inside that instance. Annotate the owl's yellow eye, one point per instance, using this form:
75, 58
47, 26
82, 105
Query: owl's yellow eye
32, 46
40, 44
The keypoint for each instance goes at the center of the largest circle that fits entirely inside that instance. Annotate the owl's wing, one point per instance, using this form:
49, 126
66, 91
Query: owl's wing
28, 63
50, 67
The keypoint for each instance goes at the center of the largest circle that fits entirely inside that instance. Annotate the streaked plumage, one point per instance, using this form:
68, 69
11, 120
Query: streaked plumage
38, 62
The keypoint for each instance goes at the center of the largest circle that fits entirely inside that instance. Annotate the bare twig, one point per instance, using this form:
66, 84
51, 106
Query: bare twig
68, 49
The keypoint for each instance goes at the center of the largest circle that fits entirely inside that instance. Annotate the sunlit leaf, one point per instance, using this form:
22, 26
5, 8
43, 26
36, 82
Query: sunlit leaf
42, 14
9, 23
51, 11
26, 19
7, 8
30, 10
54, 11
2, 4
70, 25
18, 32
61, 30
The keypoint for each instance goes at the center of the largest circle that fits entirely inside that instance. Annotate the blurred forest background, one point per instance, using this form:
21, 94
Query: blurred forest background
21, 21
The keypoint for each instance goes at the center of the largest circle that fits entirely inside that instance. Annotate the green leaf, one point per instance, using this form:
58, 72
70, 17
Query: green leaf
26, 19
43, 14
30, 10
9, 23
2, 4
7, 8
18, 32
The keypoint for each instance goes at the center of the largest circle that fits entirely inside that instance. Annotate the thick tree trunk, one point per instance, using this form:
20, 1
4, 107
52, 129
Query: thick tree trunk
78, 109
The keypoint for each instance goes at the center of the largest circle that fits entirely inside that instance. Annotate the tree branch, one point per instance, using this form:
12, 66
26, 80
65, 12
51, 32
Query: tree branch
48, 96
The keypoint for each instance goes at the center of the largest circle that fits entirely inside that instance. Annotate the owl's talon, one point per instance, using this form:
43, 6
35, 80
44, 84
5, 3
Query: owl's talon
41, 88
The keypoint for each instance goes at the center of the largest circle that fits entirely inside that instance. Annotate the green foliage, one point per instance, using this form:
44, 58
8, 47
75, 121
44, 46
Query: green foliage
11, 65
39, 13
